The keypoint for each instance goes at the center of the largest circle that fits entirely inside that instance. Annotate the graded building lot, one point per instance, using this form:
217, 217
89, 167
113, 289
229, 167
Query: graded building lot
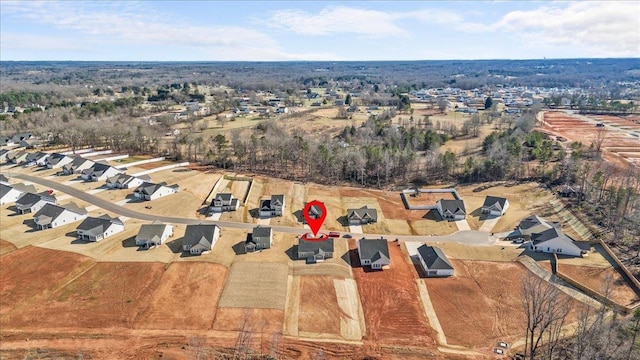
380, 226
605, 281
391, 304
266, 321
487, 298
44, 272
106, 295
319, 312
6, 247
186, 297
256, 285
330, 196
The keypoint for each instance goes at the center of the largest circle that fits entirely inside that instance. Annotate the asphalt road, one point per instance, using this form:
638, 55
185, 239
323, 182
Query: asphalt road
469, 237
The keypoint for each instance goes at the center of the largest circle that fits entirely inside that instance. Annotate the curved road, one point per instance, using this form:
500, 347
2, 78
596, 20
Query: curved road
469, 237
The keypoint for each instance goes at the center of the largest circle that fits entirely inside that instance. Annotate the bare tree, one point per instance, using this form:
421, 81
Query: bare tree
545, 310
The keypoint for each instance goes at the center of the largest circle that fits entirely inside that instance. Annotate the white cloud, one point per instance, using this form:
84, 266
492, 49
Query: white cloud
363, 22
133, 24
12, 41
601, 28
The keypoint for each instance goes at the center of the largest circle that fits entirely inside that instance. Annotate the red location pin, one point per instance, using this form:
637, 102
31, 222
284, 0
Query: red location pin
314, 213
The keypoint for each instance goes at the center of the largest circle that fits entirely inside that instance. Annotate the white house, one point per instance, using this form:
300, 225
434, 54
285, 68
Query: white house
451, 209
11, 193
553, 240
200, 238
77, 165
124, 181
434, 262
495, 206
52, 216
374, 252
151, 191
99, 172
58, 160
99, 228
272, 207
32, 202
224, 202
153, 234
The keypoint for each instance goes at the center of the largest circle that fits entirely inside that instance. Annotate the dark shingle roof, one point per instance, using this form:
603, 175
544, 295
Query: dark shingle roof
315, 246
452, 206
434, 258
97, 225
277, 199
151, 231
194, 233
373, 248
363, 212
492, 200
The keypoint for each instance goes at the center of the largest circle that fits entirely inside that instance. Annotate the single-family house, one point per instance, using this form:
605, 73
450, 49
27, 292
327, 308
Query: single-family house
224, 202
495, 206
4, 154
124, 181
32, 202
315, 251
58, 160
99, 172
374, 252
261, 238
17, 157
200, 238
451, 209
553, 240
434, 261
52, 216
272, 207
5, 141
77, 165
153, 234
534, 224
315, 212
21, 137
11, 193
4, 180
31, 143
99, 228
151, 191
361, 216
36, 159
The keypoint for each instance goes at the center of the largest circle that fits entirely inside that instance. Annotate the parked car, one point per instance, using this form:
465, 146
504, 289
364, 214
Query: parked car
334, 234
347, 236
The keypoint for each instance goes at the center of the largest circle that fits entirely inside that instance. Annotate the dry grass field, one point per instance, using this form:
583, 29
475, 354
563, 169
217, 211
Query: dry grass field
186, 297
256, 285
605, 281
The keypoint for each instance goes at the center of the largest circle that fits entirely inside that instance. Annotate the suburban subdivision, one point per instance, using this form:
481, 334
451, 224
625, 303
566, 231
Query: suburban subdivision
338, 215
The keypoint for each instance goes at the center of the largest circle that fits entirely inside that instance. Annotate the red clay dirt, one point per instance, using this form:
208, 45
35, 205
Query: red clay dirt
106, 295
30, 274
595, 278
319, 311
6, 247
187, 297
268, 321
391, 303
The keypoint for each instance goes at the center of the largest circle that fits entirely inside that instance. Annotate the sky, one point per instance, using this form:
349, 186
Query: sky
316, 30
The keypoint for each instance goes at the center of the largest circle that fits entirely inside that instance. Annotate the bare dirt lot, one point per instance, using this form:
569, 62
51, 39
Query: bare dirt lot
6, 247
428, 198
268, 321
487, 299
44, 272
602, 280
106, 295
186, 297
392, 310
319, 311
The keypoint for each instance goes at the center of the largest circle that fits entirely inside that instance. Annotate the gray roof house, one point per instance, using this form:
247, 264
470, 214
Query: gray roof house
224, 202
495, 206
124, 181
38, 158
434, 261
261, 238
553, 240
4, 179
99, 171
364, 215
272, 207
57, 160
451, 209
32, 202
99, 228
374, 252
200, 238
153, 234
315, 251
77, 165
151, 191
535, 224
51, 215
11, 193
